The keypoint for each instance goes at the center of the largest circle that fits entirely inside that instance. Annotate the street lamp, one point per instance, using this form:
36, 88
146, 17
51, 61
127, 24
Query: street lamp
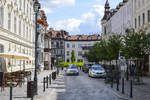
36, 8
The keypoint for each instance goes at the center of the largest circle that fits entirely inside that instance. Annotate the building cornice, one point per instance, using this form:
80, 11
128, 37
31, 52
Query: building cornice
10, 36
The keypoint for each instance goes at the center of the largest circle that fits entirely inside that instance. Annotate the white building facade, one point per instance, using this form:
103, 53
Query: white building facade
122, 19
127, 14
118, 19
17, 31
80, 46
141, 20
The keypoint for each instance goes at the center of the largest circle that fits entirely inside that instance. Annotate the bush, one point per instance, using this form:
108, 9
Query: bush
65, 64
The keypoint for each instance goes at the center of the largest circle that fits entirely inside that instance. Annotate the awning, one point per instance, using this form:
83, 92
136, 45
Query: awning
13, 55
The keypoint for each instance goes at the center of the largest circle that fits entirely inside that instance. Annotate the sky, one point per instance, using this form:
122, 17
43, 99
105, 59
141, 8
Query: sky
76, 16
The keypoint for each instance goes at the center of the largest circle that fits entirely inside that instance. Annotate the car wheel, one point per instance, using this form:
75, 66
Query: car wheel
88, 75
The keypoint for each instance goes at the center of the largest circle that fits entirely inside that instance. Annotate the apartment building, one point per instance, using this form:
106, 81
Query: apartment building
80, 44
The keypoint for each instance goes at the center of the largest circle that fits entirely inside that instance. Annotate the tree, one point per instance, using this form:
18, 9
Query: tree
73, 57
94, 54
136, 44
114, 46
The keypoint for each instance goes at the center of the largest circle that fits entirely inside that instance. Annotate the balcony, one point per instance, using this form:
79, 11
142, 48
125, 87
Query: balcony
86, 47
46, 49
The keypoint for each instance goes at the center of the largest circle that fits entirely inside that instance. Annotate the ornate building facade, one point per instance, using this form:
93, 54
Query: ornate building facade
17, 30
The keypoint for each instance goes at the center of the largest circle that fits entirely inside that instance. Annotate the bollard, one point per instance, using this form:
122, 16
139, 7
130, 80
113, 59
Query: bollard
117, 84
122, 85
131, 91
47, 81
11, 87
50, 78
32, 93
44, 84
112, 80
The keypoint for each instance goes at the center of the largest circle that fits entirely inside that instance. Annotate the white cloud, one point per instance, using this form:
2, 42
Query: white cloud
57, 3
47, 10
99, 9
88, 22
71, 24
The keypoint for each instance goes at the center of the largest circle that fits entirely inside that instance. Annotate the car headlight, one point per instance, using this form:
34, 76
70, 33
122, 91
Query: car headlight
93, 72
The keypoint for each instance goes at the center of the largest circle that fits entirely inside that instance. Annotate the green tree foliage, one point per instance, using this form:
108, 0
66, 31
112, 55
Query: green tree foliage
73, 57
114, 46
105, 50
93, 54
133, 45
136, 44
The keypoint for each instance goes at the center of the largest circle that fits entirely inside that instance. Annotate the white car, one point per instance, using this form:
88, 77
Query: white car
72, 70
97, 71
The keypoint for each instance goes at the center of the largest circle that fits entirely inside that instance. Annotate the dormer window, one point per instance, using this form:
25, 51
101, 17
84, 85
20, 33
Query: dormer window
89, 38
80, 38
69, 38
99, 37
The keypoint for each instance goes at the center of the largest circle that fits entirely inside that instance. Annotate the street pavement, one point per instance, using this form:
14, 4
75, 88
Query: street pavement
83, 87
79, 87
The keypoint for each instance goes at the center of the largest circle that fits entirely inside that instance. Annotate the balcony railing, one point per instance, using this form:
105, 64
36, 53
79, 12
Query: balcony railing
86, 47
46, 49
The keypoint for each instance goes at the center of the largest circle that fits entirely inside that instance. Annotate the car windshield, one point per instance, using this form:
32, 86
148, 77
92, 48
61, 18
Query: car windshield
97, 68
73, 67
97, 65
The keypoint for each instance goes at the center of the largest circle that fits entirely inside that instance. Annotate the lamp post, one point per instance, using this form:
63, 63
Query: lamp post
36, 10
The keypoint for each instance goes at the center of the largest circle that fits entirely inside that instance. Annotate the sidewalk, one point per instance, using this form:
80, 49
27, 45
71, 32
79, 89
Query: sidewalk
140, 92
20, 93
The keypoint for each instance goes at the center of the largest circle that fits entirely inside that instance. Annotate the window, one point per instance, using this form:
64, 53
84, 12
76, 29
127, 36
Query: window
20, 27
99, 37
79, 45
73, 45
14, 24
79, 53
143, 18
148, 12
135, 23
80, 60
68, 45
89, 44
89, 38
68, 53
80, 38
24, 5
139, 21
68, 60
9, 21
30, 13
20, 3
105, 30
23, 30
1, 16
61, 51
27, 9
1, 48
52, 43
27, 32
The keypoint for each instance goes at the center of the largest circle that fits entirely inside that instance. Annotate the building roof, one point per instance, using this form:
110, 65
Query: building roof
83, 37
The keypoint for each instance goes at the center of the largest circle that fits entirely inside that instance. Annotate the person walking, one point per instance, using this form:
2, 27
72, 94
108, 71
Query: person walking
132, 70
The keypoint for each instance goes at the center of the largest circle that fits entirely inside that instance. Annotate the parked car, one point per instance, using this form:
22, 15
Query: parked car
72, 70
97, 71
86, 68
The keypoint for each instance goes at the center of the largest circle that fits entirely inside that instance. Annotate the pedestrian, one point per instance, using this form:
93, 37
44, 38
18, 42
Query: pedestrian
132, 70
39, 68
